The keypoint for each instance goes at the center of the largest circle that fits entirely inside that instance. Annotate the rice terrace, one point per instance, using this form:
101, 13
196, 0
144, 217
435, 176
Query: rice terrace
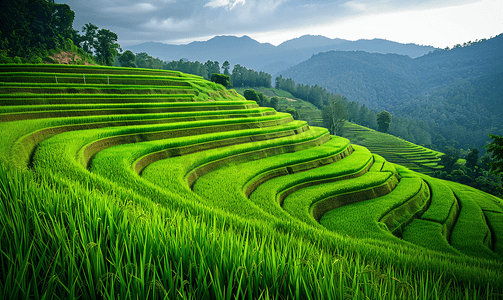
122, 183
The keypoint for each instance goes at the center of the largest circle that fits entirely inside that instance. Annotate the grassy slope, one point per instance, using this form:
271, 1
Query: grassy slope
307, 111
202, 219
393, 149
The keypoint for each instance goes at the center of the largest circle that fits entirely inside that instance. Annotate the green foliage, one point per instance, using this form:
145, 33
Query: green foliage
293, 112
32, 26
334, 115
243, 77
226, 65
274, 102
128, 59
496, 149
313, 94
106, 47
223, 80
450, 157
443, 97
89, 41
251, 95
383, 121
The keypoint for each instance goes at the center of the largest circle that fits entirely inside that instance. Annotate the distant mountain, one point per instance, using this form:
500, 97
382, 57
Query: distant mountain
310, 41
266, 57
458, 92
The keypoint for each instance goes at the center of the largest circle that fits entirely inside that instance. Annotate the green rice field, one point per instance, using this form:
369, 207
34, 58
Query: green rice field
121, 183
393, 149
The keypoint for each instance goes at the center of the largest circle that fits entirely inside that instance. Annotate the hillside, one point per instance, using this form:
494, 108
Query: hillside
145, 184
307, 111
393, 149
457, 93
266, 57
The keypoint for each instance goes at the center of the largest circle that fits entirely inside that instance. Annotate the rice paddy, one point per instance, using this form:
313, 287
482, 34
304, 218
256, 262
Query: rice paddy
150, 184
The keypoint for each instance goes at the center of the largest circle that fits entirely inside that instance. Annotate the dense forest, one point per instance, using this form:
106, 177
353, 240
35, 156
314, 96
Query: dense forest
453, 96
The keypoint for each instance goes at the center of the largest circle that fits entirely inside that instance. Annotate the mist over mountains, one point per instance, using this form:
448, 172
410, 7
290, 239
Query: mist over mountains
269, 58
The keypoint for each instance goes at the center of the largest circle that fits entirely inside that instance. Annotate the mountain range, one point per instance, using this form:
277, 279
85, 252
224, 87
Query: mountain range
267, 57
457, 92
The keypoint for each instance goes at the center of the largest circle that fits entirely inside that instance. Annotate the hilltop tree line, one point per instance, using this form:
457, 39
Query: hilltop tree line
406, 128
31, 30
29, 27
481, 172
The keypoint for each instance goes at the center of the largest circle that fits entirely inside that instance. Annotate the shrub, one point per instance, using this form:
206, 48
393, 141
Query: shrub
221, 79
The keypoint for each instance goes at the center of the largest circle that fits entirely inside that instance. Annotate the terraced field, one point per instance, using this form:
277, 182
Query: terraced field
393, 149
142, 184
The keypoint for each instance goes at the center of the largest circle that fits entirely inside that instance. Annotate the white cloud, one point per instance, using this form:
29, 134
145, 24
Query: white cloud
268, 6
355, 6
227, 4
439, 27
137, 8
169, 24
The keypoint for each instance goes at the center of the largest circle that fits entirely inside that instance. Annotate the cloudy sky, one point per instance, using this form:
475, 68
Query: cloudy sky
438, 23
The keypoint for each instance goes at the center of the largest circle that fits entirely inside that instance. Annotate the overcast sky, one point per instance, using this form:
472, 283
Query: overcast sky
438, 23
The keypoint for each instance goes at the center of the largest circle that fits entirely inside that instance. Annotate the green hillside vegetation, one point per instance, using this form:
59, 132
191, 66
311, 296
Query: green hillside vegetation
452, 95
307, 111
163, 185
393, 149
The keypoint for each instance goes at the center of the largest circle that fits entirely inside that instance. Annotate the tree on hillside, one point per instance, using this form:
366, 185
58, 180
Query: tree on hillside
89, 39
30, 27
293, 112
274, 102
472, 158
212, 67
251, 95
107, 46
127, 59
334, 115
226, 66
221, 79
450, 157
496, 149
383, 121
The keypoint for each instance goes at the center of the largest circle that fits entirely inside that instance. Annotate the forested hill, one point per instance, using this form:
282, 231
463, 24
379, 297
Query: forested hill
457, 92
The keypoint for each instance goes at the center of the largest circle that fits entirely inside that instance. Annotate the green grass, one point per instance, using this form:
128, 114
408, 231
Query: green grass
362, 219
470, 234
186, 204
307, 111
393, 149
41, 99
429, 235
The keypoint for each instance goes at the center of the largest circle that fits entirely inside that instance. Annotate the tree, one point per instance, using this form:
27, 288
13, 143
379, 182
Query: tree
450, 157
293, 112
472, 158
89, 39
226, 65
127, 59
334, 115
211, 67
383, 121
107, 46
274, 102
221, 79
29, 27
496, 149
251, 95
